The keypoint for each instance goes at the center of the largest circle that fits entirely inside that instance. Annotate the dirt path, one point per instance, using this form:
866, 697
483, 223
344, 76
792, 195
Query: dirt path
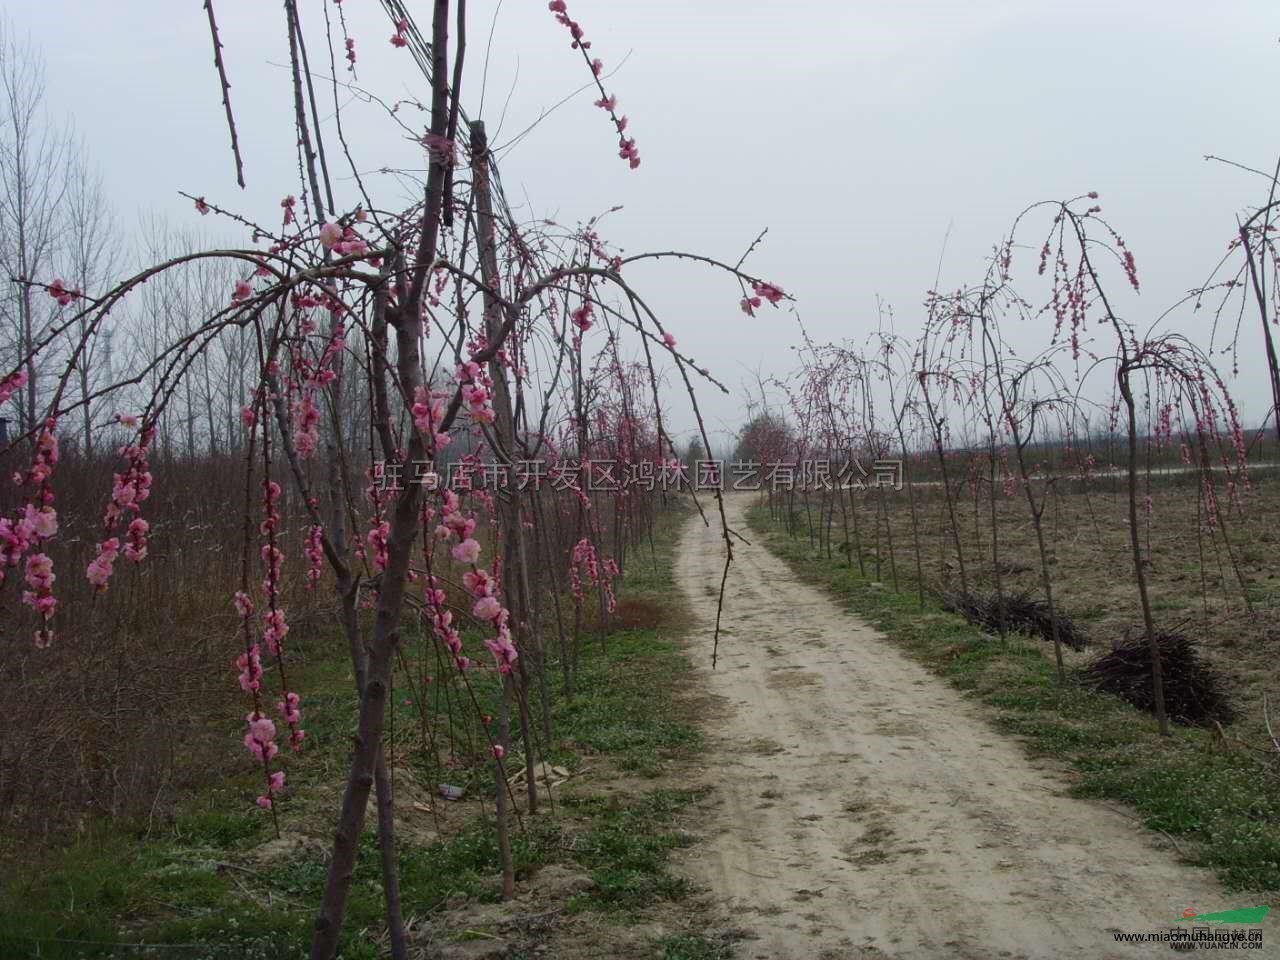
868, 810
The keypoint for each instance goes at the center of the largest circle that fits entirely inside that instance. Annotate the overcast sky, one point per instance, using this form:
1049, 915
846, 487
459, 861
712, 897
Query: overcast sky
857, 132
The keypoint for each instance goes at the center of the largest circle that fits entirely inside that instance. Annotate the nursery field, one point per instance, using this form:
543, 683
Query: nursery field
1219, 588
205, 876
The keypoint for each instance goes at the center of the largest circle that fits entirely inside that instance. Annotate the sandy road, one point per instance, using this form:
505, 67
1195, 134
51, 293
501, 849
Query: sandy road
866, 809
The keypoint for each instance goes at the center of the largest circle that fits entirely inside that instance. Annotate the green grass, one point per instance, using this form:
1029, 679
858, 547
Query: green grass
1186, 785
615, 711
626, 848
694, 947
191, 888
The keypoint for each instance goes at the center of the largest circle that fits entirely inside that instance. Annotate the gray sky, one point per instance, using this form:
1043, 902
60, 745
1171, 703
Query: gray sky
855, 131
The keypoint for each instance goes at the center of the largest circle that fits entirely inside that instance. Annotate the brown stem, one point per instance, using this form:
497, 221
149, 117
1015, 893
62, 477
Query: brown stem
226, 92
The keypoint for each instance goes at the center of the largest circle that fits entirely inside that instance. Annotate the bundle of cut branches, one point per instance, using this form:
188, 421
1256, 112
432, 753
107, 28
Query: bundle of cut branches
1019, 612
1193, 690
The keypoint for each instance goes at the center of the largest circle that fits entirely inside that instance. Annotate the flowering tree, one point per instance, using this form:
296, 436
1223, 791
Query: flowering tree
1178, 375
352, 289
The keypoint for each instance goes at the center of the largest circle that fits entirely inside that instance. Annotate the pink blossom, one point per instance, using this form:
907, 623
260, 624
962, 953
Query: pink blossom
201, 207
250, 666
44, 522
314, 552
582, 317
468, 551
306, 424
478, 583
59, 291
768, 291
330, 234
669, 340
274, 629
12, 384
486, 608
40, 572
242, 291
628, 151
136, 547
377, 540
99, 571
288, 708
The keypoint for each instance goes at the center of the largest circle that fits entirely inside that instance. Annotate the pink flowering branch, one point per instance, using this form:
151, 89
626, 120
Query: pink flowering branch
627, 149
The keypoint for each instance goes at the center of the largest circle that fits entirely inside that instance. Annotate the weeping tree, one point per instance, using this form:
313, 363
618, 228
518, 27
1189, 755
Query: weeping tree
457, 325
1175, 375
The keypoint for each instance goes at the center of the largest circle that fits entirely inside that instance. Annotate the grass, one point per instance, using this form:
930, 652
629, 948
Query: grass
695, 947
193, 887
626, 846
1190, 785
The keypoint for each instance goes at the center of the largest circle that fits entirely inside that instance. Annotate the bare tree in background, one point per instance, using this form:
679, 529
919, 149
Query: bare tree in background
33, 155
90, 258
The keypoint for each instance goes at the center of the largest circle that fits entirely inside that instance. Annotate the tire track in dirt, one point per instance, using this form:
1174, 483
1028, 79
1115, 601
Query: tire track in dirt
865, 809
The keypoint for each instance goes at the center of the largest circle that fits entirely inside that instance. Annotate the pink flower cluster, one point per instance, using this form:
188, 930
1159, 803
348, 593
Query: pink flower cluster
260, 738
442, 623
272, 557
479, 583
37, 522
40, 597
475, 391
128, 491
306, 424
290, 711
314, 552
761, 291
400, 37
19, 535
12, 384
303, 411
249, 664
102, 566
343, 241
582, 316
428, 415
599, 573
379, 531
60, 292
260, 741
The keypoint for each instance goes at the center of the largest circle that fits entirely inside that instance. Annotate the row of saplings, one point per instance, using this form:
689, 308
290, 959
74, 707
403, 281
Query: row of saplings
1193, 690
